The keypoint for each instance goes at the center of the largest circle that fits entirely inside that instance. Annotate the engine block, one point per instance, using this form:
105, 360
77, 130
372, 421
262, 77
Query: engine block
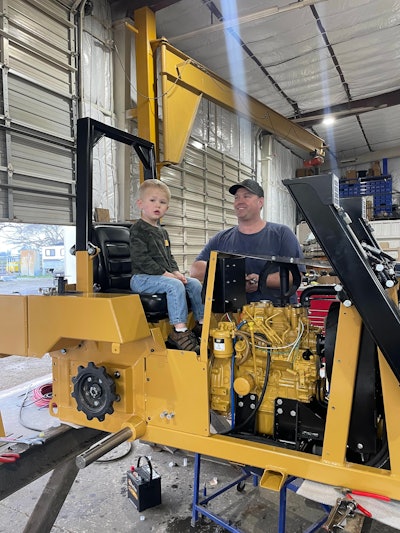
269, 353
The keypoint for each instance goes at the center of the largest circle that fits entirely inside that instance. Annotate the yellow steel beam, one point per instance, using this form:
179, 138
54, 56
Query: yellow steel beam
179, 108
146, 111
342, 385
281, 460
185, 81
84, 272
13, 324
391, 402
2, 430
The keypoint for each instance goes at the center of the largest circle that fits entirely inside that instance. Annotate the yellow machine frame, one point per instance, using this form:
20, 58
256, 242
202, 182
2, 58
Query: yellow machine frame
164, 394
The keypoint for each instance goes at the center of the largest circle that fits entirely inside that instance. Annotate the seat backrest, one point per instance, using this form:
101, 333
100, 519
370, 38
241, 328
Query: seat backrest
113, 270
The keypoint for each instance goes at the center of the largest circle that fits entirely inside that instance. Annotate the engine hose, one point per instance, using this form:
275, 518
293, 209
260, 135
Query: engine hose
382, 457
232, 389
235, 429
316, 290
240, 325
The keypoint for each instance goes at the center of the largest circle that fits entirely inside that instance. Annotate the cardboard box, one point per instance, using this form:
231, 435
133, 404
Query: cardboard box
328, 280
351, 174
376, 169
303, 172
101, 215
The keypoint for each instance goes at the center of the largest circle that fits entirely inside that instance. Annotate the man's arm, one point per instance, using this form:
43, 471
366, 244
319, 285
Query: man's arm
198, 270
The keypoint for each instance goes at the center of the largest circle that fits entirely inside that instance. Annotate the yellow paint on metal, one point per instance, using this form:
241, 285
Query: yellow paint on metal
180, 106
2, 430
212, 264
391, 401
84, 272
145, 77
128, 365
137, 426
131, 28
13, 324
286, 461
342, 385
272, 479
176, 392
56, 322
162, 387
182, 74
163, 395
243, 385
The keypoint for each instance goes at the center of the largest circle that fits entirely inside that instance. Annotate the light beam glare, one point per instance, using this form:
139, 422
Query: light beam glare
235, 58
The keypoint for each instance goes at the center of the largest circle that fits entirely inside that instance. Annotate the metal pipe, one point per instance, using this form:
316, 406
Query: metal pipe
102, 447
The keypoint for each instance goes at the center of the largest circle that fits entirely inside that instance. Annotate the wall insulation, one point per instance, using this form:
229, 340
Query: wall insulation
97, 101
277, 164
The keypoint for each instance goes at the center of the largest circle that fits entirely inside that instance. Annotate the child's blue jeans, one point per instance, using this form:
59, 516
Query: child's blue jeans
176, 294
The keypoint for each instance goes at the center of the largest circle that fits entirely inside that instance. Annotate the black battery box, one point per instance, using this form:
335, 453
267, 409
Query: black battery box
144, 485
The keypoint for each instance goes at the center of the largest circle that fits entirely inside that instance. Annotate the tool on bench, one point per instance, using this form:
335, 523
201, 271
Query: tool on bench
363, 510
30, 441
344, 508
366, 494
9, 457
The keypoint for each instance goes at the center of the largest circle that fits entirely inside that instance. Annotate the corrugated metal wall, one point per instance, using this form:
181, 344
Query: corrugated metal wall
38, 90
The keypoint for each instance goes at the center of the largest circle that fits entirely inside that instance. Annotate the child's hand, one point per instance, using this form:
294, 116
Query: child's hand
180, 276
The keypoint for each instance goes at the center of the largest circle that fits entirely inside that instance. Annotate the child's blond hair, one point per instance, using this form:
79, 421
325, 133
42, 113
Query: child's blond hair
155, 184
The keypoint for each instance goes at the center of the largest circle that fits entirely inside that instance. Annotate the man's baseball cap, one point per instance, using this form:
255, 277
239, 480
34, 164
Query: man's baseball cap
250, 185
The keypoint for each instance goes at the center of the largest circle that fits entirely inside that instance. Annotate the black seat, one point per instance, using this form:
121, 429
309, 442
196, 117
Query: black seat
112, 268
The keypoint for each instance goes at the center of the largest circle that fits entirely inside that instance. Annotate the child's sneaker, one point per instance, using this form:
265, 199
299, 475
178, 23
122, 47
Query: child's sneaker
184, 340
198, 328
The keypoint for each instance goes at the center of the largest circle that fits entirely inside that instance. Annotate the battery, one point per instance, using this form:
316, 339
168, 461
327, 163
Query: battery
144, 485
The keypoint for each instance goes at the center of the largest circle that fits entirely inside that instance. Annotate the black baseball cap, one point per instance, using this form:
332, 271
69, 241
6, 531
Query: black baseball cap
250, 185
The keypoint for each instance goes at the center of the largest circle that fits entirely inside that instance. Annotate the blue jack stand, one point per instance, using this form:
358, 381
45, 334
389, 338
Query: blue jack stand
293, 483
199, 504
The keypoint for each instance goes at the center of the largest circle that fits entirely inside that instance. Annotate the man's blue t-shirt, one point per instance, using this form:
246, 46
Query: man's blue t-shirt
273, 239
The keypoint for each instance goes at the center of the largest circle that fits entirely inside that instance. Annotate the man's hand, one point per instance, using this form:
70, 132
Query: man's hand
251, 282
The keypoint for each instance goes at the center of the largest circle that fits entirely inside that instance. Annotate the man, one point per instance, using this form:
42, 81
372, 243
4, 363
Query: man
252, 236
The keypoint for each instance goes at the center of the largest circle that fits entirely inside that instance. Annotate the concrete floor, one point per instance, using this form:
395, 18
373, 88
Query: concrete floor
98, 499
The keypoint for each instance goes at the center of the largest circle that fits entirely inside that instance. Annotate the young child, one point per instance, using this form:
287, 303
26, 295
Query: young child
155, 269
